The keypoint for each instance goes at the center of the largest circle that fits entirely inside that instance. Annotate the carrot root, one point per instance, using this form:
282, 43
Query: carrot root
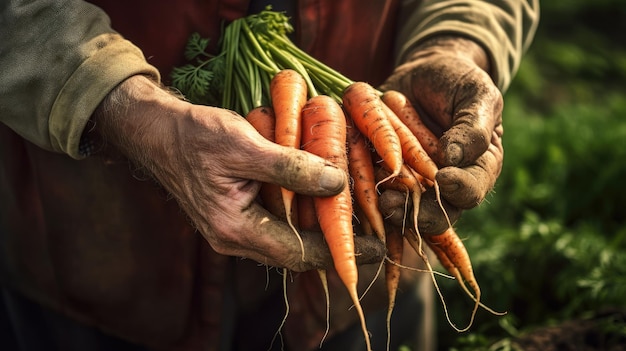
324, 134
288, 90
395, 247
453, 256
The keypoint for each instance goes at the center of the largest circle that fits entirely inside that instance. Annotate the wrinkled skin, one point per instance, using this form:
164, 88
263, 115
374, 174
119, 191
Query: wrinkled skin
212, 162
446, 79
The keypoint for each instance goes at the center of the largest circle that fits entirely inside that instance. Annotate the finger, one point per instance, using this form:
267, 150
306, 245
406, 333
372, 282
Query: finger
478, 112
305, 173
464, 187
393, 206
367, 250
246, 154
296, 170
431, 219
266, 239
467, 187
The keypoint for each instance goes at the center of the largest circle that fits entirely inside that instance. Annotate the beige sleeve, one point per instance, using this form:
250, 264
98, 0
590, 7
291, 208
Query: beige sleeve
505, 28
59, 60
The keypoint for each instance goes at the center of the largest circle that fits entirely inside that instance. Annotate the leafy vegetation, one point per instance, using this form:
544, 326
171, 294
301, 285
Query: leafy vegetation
549, 244
252, 49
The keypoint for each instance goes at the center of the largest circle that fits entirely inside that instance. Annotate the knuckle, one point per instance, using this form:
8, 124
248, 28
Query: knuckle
297, 265
221, 245
225, 239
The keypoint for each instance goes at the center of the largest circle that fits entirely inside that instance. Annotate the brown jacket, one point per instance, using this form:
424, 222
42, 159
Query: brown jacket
88, 236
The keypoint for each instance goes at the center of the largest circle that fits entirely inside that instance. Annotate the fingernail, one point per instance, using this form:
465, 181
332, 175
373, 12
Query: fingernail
332, 179
454, 154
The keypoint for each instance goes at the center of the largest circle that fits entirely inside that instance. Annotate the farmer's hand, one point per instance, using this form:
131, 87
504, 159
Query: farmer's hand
212, 161
446, 79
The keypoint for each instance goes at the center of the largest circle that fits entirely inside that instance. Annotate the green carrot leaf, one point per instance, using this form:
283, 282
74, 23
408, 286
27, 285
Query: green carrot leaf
193, 81
196, 47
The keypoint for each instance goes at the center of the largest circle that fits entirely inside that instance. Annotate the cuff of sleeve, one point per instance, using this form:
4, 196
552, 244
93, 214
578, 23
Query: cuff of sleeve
480, 28
88, 86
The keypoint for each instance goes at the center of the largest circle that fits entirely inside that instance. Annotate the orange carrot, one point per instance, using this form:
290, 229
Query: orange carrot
364, 226
395, 247
415, 241
289, 94
324, 134
412, 151
263, 120
402, 107
382, 177
406, 181
415, 156
307, 219
288, 91
361, 170
452, 254
363, 104
445, 261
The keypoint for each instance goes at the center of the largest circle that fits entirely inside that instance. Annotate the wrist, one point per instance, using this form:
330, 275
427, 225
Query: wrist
135, 118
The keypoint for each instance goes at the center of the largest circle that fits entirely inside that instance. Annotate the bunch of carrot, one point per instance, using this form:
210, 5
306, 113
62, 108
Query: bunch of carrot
299, 102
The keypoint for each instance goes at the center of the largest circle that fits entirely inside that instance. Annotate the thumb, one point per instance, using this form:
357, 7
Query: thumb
301, 172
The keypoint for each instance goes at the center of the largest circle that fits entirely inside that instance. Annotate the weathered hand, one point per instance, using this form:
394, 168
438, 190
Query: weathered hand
212, 161
446, 79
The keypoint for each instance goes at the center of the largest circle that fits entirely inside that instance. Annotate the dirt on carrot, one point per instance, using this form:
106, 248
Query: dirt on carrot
413, 153
288, 91
263, 120
361, 169
324, 134
402, 107
365, 108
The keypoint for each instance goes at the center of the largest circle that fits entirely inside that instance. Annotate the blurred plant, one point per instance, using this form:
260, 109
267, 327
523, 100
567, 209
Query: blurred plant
548, 244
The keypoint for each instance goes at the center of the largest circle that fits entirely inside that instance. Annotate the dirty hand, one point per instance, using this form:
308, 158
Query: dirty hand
212, 162
446, 79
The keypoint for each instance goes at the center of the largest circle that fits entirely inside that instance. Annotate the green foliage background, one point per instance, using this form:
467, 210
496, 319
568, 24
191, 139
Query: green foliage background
550, 243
